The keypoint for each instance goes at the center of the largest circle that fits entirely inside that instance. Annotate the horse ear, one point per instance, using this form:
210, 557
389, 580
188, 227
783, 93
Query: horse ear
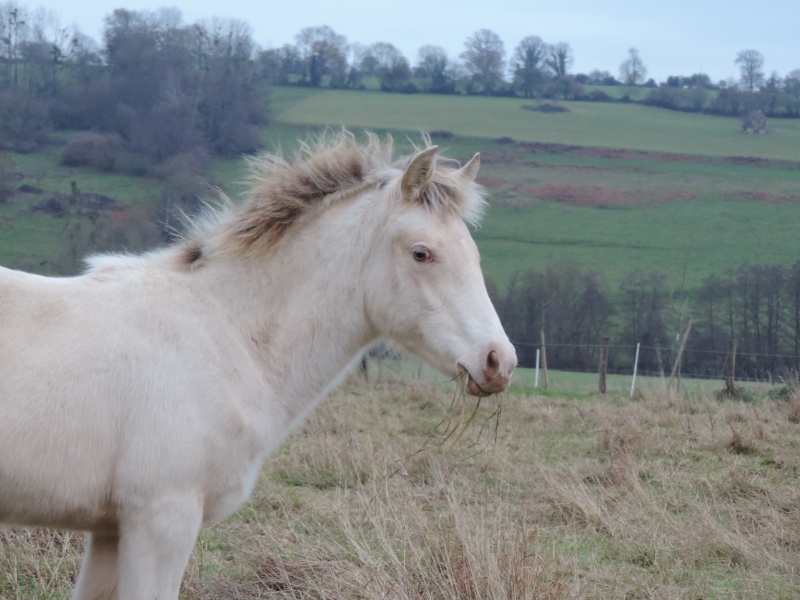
419, 172
470, 169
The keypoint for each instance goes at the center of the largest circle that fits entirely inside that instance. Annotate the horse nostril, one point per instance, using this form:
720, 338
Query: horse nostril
492, 364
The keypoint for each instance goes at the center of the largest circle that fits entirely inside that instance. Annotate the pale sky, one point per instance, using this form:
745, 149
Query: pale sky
674, 37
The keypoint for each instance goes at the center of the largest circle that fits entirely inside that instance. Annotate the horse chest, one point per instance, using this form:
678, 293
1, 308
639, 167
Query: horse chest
230, 490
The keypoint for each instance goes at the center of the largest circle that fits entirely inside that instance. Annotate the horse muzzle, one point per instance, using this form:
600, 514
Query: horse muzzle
494, 374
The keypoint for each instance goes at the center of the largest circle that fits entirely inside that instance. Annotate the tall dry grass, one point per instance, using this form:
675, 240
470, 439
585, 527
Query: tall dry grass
665, 497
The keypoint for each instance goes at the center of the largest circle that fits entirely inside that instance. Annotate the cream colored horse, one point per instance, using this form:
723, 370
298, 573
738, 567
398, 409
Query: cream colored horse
139, 400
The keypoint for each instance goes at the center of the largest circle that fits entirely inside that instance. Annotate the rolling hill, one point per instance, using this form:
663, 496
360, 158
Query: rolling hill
613, 187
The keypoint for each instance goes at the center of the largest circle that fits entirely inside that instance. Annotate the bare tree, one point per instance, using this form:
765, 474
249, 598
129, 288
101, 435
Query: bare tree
14, 32
277, 65
791, 87
560, 58
325, 53
751, 64
484, 59
387, 63
430, 60
529, 63
432, 69
632, 71
229, 107
84, 57
597, 77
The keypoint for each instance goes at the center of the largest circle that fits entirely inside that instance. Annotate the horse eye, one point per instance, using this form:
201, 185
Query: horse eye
421, 254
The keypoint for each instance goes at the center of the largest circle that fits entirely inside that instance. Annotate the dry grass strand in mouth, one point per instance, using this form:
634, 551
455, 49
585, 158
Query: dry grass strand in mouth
462, 424
452, 430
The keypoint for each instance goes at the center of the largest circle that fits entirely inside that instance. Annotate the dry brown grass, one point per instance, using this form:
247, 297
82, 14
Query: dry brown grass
568, 498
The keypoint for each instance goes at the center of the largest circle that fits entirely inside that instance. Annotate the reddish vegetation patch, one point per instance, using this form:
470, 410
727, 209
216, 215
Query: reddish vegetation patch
607, 153
762, 197
615, 169
548, 148
619, 153
598, 196
491, 183
749, 161
488, 158
639, 155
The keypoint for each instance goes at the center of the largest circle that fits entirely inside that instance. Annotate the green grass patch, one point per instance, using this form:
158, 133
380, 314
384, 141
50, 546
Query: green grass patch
630, 208
594, 124
669, 202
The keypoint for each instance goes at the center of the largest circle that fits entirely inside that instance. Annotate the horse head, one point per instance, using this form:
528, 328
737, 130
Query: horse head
427, 290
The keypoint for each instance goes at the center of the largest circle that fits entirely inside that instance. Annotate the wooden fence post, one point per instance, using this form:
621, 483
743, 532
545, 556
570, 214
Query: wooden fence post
635, 368
677, 364
544, 360
603, 364
730, 364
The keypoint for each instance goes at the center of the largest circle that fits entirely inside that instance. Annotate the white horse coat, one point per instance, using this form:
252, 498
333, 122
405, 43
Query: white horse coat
139, 400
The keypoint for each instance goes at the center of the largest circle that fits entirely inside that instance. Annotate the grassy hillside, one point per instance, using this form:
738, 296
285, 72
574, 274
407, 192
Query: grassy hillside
30, 238
668, 196
627, 126
614, 187
641, 212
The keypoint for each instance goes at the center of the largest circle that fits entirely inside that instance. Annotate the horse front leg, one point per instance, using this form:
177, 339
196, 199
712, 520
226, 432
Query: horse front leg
155, 545
98, 578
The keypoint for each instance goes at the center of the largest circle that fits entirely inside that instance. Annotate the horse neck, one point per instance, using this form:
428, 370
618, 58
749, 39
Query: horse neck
301, 308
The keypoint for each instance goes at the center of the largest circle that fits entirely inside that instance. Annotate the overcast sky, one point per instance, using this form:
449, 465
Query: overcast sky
674, 37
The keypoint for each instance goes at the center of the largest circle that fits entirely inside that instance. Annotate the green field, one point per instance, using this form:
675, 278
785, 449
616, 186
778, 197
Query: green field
674, 201
31, 239
614, 187
618, 215
400, 487
628, 126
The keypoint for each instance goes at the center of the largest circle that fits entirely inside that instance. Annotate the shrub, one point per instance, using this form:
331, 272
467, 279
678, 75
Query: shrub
598, 96
546, 107
89, 149
24, 122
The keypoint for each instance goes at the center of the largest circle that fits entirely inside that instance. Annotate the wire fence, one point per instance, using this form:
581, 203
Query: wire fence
654, 369
665, 367
661, 361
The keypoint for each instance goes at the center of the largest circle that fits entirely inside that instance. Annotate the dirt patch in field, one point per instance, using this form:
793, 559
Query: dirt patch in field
491, 183
549, 148
762, 197
595, 196
748, 161
640, 155
623, 154
61, 204
597, 168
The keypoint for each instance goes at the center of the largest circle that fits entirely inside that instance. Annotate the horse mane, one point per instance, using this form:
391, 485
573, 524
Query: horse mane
324, 170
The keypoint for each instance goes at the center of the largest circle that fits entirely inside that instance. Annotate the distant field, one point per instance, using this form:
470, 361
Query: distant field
668, 200
687, 218
613, 187
30, 239
594, 124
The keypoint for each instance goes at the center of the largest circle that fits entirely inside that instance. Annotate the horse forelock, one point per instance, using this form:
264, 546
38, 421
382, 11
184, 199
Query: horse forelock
449, 193
325, 170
